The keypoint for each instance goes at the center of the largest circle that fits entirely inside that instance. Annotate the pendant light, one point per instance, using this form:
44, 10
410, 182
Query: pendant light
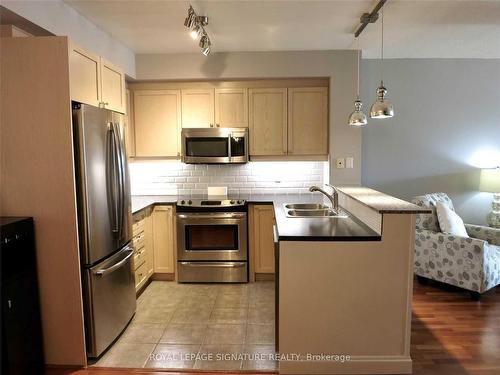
357, 118
382, 108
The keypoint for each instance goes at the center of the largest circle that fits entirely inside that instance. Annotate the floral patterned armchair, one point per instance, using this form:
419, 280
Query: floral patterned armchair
471, 263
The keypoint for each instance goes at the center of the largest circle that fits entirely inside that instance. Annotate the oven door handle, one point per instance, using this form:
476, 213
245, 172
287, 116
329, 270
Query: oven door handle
214, 264
235, 215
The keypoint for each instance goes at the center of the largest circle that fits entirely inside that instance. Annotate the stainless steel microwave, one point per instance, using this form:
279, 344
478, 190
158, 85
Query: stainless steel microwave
214, 145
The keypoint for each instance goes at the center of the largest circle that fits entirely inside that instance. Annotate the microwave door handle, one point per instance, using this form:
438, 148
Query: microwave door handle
229, 146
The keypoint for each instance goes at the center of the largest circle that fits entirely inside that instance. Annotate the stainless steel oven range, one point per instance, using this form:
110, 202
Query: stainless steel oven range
212, 241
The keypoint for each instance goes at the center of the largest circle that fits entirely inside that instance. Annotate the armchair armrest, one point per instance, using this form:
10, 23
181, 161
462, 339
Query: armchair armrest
454, 260
490, 235
449, 241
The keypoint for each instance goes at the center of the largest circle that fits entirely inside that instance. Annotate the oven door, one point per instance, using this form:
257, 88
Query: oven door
212, 236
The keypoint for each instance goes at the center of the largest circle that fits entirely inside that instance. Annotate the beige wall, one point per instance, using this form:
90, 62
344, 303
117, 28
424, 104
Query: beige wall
339, 66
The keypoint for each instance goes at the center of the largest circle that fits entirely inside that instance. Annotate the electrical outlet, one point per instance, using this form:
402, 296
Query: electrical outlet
340, 163
349, 162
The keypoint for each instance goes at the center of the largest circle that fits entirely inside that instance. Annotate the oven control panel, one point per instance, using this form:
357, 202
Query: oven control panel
209, 203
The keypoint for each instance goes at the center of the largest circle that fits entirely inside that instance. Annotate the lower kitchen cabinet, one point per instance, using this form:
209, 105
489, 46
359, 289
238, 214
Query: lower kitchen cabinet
164, 239
142, 247
154, 243
261, 238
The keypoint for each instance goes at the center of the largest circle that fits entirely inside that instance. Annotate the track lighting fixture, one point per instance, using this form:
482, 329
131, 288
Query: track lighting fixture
196, 26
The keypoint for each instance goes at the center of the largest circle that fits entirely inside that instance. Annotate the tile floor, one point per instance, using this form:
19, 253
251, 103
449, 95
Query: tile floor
199, 326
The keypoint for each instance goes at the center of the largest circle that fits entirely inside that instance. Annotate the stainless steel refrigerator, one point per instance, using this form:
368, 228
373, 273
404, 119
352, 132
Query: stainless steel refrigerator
105, 225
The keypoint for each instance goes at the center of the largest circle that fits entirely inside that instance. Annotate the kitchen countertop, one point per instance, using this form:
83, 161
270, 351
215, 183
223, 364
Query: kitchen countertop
380, 202
289, 229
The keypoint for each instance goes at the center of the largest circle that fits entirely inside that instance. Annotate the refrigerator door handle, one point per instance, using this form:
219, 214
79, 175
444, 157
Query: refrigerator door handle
111, 177
120, 165
114, 267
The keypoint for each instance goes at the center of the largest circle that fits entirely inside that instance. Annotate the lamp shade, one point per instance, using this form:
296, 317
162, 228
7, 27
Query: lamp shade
490, 180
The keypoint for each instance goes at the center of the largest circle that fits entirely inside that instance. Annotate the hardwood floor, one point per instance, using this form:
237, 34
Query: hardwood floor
451, 335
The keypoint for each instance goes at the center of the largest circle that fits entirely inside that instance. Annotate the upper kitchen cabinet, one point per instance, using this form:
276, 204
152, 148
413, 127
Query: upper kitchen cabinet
197, 108
95, 81
157, 120
231, 107
85, 76
268, 121
129, 124
308, 121
112, 87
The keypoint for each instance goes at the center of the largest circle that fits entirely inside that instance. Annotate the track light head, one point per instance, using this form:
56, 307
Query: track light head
190, 19
195, 32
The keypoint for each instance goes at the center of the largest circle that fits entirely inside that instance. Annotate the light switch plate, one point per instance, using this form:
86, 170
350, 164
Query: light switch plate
340, 163
349, 162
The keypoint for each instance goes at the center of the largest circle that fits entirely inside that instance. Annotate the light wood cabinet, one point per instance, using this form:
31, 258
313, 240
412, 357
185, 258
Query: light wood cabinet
197, 108
287, 119
157, 119
268, 121
129, 124
231, 107
84, 76
149, 244
163, 239
143, 250
261, 238
112, 87
95, 81
308, 121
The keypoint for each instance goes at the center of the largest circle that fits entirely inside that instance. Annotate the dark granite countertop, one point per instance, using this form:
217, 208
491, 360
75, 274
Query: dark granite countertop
289, 229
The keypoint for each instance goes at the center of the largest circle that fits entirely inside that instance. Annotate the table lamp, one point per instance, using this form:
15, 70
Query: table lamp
490, 182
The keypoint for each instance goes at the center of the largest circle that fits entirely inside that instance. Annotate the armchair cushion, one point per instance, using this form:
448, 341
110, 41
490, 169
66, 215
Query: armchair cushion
449, 221
491, 235
430, 221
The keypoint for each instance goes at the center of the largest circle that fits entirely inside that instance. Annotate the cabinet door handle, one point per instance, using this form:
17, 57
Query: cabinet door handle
211, 125
218, 125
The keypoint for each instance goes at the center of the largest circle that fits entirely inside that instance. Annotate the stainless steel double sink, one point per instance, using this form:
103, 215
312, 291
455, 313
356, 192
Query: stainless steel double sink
312, 210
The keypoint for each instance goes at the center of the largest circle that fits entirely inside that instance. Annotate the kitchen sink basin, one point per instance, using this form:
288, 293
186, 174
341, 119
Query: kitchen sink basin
311, 213
306, 206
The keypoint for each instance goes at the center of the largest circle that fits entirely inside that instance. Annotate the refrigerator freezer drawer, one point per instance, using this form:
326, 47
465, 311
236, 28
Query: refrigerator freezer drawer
110, 300
212, 272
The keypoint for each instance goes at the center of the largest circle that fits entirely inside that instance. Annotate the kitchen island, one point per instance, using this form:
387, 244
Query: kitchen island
345, 305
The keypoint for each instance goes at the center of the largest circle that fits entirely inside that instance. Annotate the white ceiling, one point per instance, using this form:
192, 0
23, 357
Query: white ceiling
413, 28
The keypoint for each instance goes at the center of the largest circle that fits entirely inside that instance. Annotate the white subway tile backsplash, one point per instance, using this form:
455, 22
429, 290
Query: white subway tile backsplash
175, 178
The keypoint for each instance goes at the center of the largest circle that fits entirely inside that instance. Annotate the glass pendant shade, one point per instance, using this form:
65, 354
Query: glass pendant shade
382, 108
357, 117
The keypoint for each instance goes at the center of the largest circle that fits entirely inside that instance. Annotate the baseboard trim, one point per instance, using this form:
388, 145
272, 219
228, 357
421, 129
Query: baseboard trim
264, 277
356, 365
163, 277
